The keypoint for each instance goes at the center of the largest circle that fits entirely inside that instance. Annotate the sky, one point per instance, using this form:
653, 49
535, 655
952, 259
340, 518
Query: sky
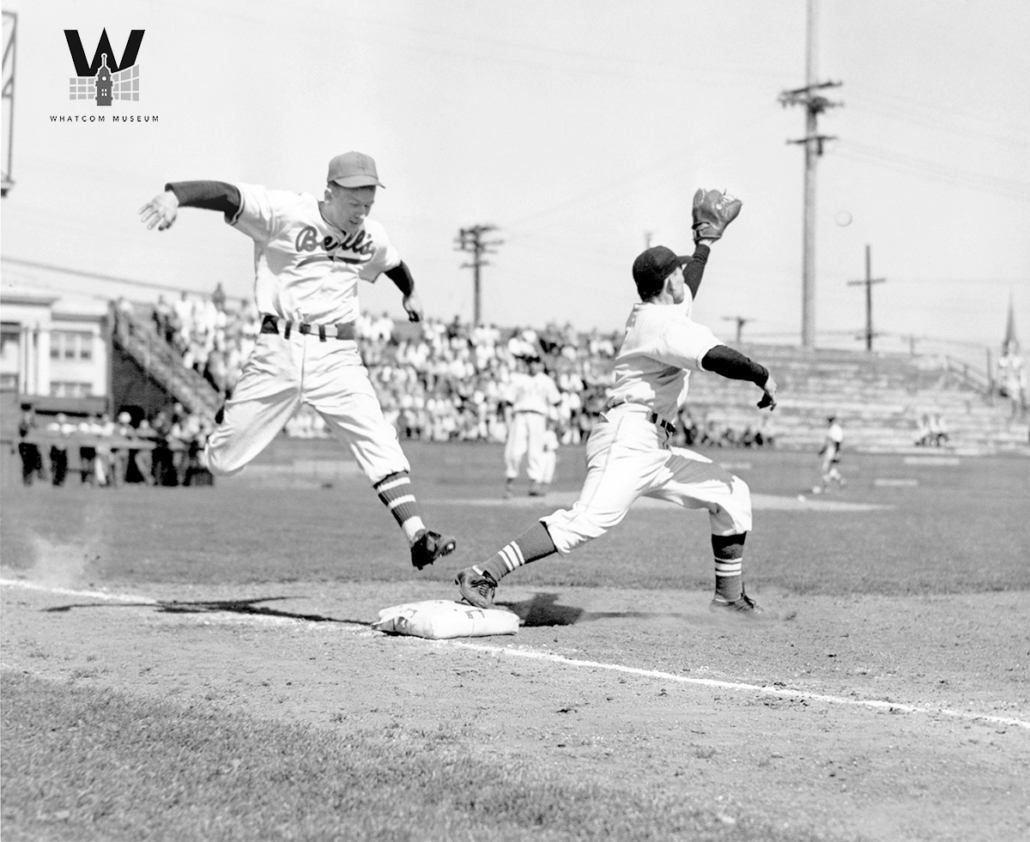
581, 130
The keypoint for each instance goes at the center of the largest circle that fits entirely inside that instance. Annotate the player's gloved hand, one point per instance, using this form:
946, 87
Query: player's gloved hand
768, 395
160, 211
412, 306
712, 212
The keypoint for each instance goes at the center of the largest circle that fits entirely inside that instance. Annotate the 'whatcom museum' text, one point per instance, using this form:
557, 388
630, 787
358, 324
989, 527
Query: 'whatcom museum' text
103, 118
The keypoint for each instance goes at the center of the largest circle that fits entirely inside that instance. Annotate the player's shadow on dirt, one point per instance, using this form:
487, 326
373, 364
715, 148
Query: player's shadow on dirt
249, 607
543, 610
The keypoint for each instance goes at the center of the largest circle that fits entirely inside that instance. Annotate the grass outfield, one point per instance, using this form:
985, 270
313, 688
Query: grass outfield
904, 524
193, 714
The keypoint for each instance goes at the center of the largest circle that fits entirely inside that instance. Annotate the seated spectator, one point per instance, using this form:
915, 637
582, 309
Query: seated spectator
60, 427
938, 430
143, 458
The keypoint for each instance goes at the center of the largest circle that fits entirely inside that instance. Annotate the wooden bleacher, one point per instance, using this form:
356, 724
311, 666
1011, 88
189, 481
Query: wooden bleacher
879, 398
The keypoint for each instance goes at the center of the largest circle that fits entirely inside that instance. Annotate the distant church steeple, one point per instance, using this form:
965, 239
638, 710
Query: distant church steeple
1010, 344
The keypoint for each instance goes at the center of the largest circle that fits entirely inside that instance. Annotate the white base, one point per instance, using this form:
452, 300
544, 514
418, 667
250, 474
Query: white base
441, 618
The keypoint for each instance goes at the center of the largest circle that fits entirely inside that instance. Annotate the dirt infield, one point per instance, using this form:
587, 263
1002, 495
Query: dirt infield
851, 735
856, 715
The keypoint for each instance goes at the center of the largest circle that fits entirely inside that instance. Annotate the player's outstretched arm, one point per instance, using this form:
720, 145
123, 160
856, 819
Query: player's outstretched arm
160, 211
734, 365
163, 209
695, 269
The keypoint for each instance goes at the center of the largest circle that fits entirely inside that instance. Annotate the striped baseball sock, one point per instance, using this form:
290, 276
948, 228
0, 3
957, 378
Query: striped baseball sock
531, 545
395, 492
729, 564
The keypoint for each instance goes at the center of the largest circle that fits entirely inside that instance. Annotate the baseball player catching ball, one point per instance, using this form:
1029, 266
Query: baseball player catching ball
628, 453
309, 256
534, 399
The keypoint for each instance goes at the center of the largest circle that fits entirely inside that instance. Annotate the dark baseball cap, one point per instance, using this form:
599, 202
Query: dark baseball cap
353, 169
653, 266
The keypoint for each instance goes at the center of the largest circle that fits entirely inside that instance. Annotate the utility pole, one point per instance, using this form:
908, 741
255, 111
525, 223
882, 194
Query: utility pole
868, 283
471, 240
815, 104
9, 49
741, 321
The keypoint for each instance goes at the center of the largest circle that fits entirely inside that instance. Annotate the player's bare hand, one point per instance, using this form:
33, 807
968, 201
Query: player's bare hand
412, 306
160, 211
768, 395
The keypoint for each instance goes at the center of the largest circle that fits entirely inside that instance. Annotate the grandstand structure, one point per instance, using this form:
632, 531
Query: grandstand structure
879, 398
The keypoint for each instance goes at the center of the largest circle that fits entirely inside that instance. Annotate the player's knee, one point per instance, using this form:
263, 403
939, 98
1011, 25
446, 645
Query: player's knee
219, 462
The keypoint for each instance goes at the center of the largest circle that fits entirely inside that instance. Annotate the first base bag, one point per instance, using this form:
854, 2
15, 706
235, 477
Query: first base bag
442, 618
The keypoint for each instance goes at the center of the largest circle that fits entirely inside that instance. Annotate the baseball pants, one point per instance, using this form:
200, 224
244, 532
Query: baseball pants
628, 457
280, 374
525, 438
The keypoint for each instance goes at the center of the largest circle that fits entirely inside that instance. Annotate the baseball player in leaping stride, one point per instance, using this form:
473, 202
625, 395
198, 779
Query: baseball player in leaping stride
628, 453
309, 256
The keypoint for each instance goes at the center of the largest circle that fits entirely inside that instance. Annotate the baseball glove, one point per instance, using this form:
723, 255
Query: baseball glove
713, 211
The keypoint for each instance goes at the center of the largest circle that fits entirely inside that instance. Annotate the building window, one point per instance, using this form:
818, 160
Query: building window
71, 345
10, 357
70, 389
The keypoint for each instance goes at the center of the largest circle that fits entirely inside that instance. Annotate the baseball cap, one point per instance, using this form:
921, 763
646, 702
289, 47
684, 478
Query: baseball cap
653, 266
353, 169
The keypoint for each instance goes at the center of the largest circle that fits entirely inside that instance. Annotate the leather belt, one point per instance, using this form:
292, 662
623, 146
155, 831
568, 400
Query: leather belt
344, 330
653, 417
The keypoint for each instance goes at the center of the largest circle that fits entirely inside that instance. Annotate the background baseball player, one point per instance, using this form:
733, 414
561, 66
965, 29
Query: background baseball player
534, 398
549, 463
309, 256
830, 452
628, 452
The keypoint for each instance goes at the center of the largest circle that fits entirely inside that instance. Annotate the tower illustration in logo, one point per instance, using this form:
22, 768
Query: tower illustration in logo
102, 80
104, 84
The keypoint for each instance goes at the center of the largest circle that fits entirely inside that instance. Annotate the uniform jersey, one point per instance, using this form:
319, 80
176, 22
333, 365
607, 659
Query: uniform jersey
662, 346
533, 393
834, 441
307, 270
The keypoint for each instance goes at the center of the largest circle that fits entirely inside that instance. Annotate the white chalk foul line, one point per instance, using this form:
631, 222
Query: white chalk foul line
533, 654
113, 597
890, 707
129, 599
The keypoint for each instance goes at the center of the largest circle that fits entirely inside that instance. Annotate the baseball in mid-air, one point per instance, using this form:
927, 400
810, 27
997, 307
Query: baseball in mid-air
843, 218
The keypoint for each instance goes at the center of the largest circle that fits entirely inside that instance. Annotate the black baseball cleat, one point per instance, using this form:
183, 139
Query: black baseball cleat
476, 588
744, 607
429, 546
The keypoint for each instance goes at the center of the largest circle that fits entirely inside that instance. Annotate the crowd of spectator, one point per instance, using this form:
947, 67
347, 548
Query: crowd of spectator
436, 380
450, 381
932, 431
211, 337
106, 452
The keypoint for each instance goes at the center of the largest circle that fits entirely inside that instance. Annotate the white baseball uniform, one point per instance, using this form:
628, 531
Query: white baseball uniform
550, 457
628, 452
534, 398
306, 276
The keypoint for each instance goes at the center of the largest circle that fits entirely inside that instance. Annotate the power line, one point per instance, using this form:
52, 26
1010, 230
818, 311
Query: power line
900, 162
471, 240
814, 103
868, 283
97, 276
